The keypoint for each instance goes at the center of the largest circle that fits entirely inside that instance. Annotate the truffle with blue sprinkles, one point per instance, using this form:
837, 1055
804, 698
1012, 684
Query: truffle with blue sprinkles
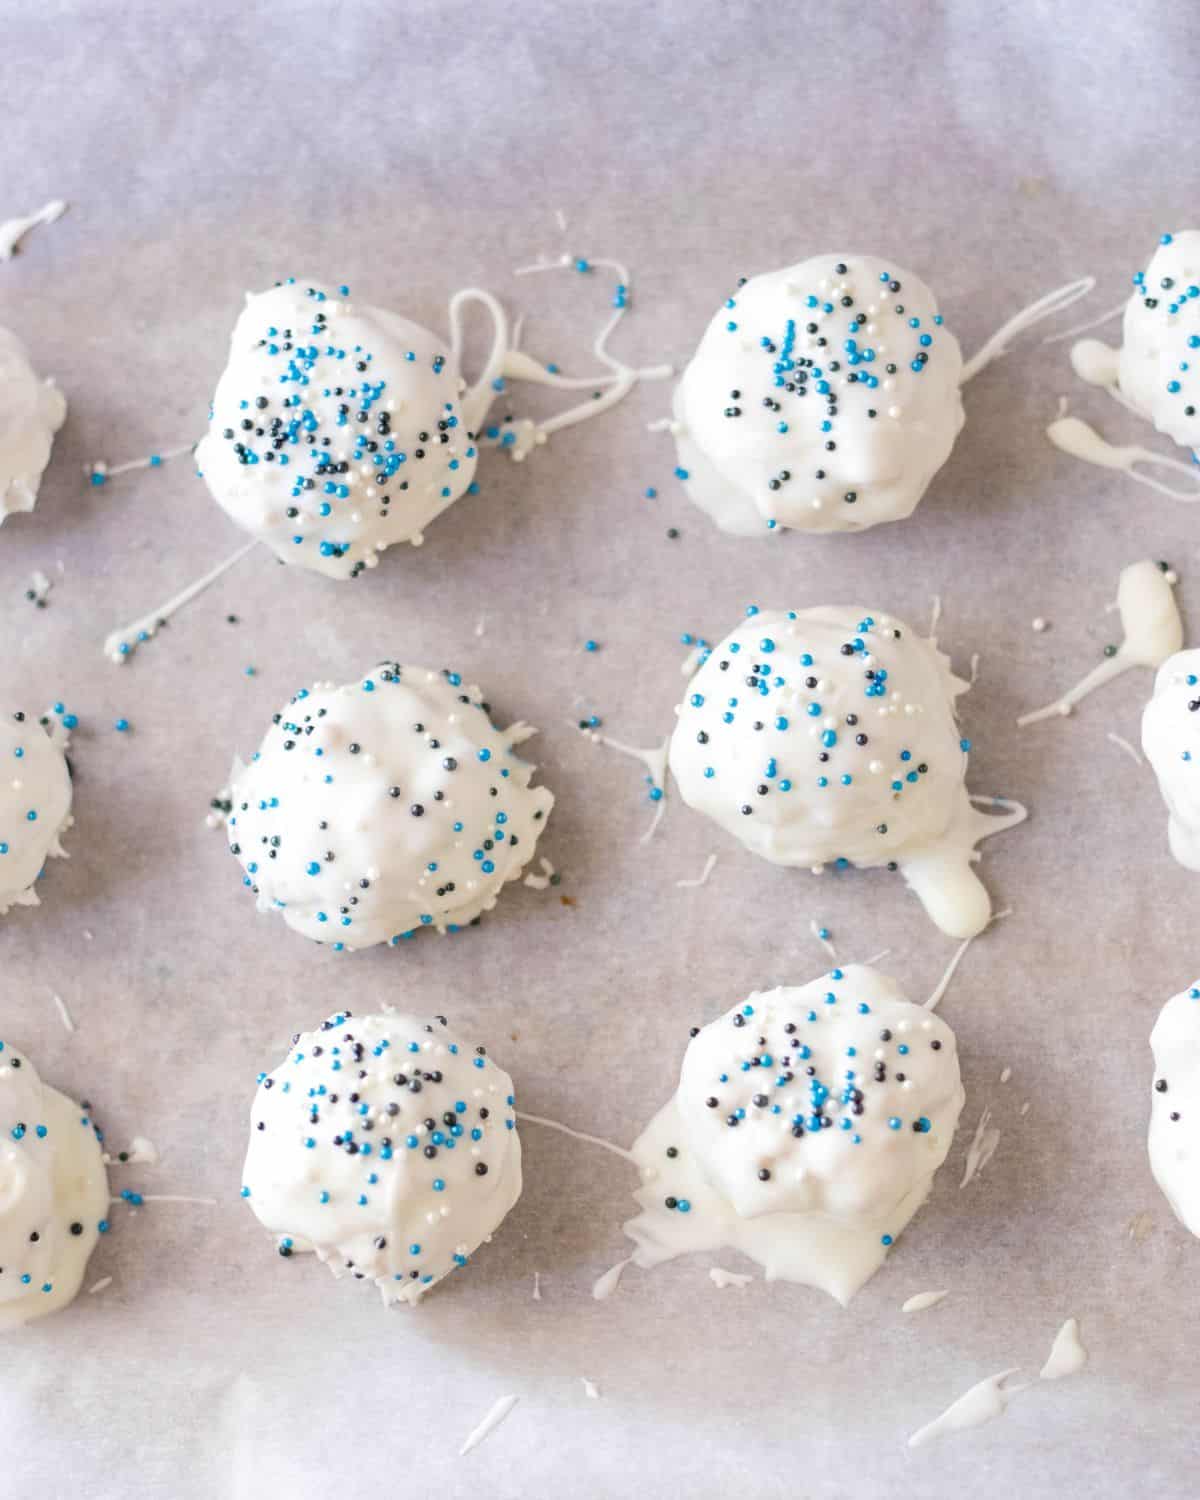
31, 412
1174, 1141
1171, 740
337, 429
1159, 364
806, 1131
53, 1193
385, 806
828, 736
35, 802
822, 397
387, 1147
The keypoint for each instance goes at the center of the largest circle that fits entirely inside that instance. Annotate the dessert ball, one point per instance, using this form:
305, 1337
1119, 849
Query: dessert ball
35, 806
828, 735
31, 412
387, 1147
53, 1193
1171, 740
1158, 367
386, 805
806, 1131
823, 397
1175, 1106
337, 428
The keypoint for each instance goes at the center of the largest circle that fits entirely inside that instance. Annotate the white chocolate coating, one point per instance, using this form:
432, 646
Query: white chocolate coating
342, 1160
349, 416
829, 734
35, 806
1159, 368
386, 805
874, 406
53, 1193
806, 1132
31, 412
1174, 1142
1171, 741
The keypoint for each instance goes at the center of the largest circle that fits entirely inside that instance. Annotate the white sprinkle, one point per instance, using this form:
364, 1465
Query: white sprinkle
1005, 1074
102, 1285
1039, 624
64, 1014
589, 1390
537, 1286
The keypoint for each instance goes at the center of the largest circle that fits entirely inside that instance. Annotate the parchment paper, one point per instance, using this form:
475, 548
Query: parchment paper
996, 149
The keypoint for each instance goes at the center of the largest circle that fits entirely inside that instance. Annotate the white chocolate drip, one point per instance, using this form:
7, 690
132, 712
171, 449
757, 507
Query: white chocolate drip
1153, 631
1067, 1355
495, 1415
121, 643
982, 1403
1045, 307
1081, 441
922, 1300
13, 231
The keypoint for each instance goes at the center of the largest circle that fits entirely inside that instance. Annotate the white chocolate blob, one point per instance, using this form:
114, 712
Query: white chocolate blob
1174, 1141
342, 1162
53, 1193
31, 412
1171, 741
826, 735
35, 806
386, 805
806, 1131
1154, 373
337, 428
823, 397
